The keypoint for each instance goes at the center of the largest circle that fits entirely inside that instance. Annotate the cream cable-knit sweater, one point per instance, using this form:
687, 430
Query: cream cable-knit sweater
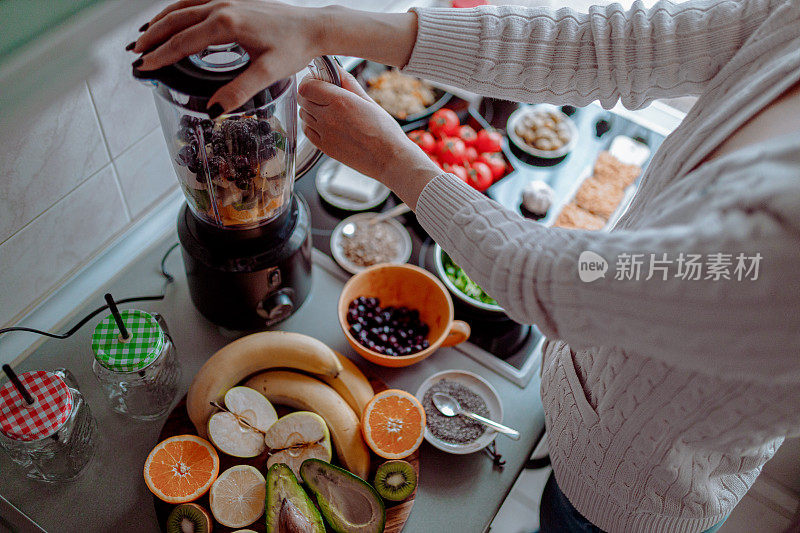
663, 398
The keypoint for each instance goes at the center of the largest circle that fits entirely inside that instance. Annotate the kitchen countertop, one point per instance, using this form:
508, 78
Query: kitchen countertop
111, 494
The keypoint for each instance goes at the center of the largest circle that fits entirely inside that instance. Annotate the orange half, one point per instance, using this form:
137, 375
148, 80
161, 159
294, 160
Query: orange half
393, 424
180, 469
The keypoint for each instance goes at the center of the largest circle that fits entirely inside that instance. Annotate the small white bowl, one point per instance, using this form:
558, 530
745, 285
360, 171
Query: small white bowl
324, 175
516, 116
403, 252
479, 386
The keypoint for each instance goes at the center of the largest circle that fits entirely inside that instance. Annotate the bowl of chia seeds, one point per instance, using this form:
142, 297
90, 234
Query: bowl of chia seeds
458, 434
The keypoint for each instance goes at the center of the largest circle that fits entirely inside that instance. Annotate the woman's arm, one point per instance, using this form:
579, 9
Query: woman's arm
565, 57
726, 327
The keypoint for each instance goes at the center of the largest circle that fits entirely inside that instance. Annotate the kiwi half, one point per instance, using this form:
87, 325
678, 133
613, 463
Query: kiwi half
395, 480
189, 518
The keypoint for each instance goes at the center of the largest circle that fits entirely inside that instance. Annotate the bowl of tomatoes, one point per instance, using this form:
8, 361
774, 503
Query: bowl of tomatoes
468, 148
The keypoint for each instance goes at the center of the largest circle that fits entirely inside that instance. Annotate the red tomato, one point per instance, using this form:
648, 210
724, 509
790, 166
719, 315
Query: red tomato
479, 176
488, 141
458, 170
451, 150
424, 140
496, 163
471, 154
468, 135
444, 123
436, 160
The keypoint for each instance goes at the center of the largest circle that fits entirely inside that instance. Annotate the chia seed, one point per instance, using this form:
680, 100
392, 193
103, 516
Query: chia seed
455, 429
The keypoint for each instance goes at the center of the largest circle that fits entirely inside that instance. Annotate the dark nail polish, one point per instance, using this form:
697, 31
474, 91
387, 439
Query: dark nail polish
137, 63
130, 46
215, 110
144, 26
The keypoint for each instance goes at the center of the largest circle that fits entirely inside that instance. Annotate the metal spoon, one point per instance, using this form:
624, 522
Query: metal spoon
449, 406
400, 209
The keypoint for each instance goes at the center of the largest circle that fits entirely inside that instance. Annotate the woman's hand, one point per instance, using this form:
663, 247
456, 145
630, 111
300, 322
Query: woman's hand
348, 126
280, 39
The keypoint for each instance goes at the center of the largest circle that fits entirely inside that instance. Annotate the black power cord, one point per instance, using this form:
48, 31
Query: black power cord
168, 278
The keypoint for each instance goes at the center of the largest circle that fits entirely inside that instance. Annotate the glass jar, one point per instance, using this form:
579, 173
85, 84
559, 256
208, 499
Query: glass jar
60, 451
140, 375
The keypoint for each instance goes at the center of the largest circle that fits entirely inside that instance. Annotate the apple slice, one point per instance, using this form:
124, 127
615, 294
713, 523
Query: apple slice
296, 437
233, 432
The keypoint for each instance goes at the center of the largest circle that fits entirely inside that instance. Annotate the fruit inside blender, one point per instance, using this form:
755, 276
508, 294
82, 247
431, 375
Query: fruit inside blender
234, 171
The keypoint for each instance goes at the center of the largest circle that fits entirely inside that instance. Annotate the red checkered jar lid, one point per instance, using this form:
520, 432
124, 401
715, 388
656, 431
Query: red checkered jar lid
52, 406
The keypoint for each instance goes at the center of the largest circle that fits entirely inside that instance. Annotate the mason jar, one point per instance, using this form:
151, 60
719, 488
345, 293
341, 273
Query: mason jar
139, 375
53, 439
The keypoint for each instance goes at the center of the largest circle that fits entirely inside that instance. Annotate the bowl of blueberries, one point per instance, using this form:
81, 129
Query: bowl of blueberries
397, 315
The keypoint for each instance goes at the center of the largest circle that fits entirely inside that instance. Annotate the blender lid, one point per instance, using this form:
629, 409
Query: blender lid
201, 74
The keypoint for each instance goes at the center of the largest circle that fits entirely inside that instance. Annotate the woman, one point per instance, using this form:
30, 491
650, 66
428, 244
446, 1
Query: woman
664, 395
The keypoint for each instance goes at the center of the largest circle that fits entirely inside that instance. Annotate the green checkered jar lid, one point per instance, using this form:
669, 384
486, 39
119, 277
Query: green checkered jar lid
145, 344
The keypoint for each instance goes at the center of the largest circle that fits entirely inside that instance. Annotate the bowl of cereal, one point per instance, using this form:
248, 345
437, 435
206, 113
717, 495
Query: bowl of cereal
542, 130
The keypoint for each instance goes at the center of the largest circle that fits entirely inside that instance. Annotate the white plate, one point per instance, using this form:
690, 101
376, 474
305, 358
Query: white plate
479, 386
517, 115
403, 253
326, 172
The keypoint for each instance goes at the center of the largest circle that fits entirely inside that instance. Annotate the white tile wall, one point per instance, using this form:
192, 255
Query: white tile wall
45, 157
145, 172
76, 174
58, 241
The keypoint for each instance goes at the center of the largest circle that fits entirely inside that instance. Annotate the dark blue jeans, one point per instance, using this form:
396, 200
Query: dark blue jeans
557, 515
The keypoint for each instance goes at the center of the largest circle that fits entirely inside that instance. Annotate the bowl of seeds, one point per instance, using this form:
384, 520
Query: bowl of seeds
458, 434
358, 242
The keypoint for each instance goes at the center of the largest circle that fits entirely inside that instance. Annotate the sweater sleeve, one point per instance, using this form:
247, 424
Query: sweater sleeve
728, 327
564, 57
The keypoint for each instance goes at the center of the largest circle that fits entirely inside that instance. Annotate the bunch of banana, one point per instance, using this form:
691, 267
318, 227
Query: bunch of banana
340, 402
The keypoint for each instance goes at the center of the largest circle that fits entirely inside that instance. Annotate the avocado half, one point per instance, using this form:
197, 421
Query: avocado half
288, 506
348, 503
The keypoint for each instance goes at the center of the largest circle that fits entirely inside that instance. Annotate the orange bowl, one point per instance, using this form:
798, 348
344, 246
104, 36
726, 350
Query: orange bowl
408, 286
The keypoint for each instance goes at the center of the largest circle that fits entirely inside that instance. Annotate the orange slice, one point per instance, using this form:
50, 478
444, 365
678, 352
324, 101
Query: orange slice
393, 424
180, 469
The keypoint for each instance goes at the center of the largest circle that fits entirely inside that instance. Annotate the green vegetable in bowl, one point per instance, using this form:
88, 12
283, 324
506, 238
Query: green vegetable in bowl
463, 283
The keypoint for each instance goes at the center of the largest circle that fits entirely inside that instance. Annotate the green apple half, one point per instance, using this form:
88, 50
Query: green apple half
296, 437
230, 435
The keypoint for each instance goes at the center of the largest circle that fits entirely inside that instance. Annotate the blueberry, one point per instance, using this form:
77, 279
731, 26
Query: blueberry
383, 337
357, 327
425, 343
373, 302
378, 320
391, 352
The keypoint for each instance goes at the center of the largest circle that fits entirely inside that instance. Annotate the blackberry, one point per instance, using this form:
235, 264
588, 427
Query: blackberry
187, 156
188, 121
264, 127
264, 112
266, 151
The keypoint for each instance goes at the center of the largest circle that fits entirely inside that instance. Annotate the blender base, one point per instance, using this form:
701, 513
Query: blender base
250, 279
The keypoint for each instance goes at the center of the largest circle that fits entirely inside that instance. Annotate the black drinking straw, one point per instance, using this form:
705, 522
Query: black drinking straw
18, 384
112, 305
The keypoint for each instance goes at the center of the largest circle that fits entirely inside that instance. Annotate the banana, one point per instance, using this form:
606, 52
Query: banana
251, 354
351, 384
303, 392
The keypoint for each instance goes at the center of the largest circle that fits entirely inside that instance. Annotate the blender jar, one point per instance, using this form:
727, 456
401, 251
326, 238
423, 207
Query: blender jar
237, 171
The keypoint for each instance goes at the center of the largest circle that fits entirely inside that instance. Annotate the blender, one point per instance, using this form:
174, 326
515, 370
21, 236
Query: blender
245, 237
